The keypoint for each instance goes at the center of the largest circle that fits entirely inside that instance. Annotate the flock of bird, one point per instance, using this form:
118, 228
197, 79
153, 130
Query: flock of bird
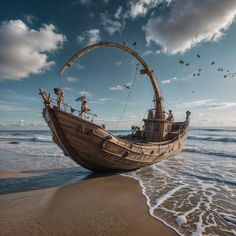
220, 69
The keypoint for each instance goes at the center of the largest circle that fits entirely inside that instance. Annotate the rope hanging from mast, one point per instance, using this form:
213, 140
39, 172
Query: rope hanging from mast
159, 107
127, 99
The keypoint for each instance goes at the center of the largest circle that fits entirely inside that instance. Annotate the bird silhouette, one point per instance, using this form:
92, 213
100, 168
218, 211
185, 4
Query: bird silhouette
125, 86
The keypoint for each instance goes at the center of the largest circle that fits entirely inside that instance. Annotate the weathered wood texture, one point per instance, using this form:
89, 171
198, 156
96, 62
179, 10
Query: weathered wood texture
95, 148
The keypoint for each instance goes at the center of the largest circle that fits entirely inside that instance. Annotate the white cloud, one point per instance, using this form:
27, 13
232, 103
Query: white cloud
101, 100
117, 87
89, 37
190, 22
72, 79
222, 105
207, 104
119, 63
196, 103
121, 87
112, 25
22, 124
23, 51
150, 52
167, 81
142, 7
7, 106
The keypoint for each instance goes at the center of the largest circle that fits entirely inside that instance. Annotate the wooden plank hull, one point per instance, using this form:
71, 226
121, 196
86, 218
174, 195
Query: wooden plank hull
97, 149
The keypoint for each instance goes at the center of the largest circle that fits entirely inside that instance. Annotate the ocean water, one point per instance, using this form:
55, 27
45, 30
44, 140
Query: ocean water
194, 192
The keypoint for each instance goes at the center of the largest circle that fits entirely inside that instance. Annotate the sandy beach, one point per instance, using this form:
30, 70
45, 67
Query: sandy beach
102, 205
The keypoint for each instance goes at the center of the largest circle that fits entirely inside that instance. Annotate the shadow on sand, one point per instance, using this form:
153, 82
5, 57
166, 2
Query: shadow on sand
48, 179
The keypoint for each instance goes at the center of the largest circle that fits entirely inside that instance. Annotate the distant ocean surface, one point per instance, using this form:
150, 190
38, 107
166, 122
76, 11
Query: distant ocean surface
194, 192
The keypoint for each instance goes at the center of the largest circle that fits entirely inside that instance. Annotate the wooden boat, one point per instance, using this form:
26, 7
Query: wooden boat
95, 148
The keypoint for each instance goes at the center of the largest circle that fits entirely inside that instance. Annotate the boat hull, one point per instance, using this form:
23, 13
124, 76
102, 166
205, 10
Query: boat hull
95, 148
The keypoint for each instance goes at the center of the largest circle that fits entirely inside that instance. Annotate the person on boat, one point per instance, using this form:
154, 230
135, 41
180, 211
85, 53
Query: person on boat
60, 96
188, 113
84, 105
170, 116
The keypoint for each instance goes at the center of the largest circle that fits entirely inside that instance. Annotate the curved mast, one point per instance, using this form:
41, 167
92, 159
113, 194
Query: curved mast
159, 108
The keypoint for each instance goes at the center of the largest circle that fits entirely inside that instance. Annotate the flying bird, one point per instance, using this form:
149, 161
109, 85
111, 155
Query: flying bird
125, 86
181, 62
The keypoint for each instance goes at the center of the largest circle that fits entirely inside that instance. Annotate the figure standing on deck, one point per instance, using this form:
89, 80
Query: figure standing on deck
60, 96
170, 116
84, 105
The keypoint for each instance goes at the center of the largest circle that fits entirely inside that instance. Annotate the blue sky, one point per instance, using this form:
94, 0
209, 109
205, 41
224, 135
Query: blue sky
38, 37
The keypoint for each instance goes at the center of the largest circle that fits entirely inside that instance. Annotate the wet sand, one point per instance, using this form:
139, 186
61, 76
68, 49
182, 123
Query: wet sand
108, 205
7, 175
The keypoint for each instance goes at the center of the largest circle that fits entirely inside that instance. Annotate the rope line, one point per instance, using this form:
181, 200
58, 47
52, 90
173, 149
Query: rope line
127, 99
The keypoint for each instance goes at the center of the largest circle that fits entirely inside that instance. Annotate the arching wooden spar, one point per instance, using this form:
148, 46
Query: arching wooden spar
159, 110
95, 148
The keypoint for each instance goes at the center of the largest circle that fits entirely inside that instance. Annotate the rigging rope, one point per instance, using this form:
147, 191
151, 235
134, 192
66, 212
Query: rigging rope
127, 99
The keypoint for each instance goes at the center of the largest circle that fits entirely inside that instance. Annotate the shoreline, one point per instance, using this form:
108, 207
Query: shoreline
8, 174
102, 205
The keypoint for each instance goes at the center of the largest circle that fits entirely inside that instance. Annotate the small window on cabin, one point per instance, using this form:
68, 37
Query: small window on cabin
157, 127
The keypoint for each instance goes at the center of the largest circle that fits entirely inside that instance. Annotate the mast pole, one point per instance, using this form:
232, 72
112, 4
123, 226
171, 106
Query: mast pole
159, 108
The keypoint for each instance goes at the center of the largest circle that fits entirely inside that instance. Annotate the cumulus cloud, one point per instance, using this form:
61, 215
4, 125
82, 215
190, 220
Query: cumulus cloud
141, 7
112, 25
23, 51
89, 37
190, 22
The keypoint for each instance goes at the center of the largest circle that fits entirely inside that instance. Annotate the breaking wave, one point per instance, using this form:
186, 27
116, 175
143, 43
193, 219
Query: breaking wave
194, 149
26, 138
212, 138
